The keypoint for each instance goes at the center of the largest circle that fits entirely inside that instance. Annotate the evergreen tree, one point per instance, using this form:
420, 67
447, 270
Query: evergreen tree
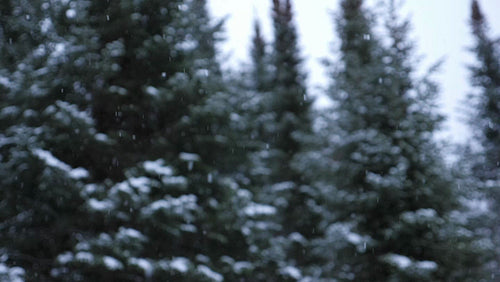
260, 72
393, 197
290, 102
167, 211
93, 113
48, 137
285, 120
485, 78
253, 106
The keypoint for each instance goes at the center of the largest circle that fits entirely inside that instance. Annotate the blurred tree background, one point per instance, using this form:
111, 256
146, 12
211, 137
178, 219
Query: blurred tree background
128, 154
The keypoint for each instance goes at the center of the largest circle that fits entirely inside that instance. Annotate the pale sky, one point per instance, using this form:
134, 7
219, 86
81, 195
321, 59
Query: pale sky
440, 29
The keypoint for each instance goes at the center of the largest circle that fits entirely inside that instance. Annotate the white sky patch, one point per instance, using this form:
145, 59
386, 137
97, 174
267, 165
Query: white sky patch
436, 33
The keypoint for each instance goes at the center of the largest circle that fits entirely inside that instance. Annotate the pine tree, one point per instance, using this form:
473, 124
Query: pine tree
485, 78
260, 73
393, 197
48, 137
290, 101
168, 209
284, 117
253, 106
118, 115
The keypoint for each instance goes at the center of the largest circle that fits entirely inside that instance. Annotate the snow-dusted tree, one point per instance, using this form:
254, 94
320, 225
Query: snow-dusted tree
48, 138
284, 120
91, 115
167, 211
260, 73
485, 121
393, 198
164, 226
485, 77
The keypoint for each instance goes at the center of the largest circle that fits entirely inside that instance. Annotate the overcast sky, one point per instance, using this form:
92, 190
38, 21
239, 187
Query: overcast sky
440, 29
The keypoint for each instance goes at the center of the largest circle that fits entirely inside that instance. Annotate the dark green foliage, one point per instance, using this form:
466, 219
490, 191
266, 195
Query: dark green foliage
107, 87
284, 117
260, 73
485, 121
485, 77
47, 139
126, 154
290, 102
162, 226
392, 196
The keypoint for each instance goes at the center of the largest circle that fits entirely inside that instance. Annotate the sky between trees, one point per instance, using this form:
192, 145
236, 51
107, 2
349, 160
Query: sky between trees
440, 29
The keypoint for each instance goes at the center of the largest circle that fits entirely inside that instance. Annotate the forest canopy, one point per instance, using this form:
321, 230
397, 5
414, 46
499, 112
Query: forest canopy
127, 153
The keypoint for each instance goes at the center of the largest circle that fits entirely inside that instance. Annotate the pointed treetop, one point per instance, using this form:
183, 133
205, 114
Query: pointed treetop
282, 11
276, 7
352, 5
478, 21
476, 16
258, 49
257, 37
288, 11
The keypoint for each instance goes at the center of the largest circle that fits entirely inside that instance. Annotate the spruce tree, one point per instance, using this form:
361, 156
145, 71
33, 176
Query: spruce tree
485, 78
168, 209
253, 106
393, 197
260, 73
115, 146
285, 119
48, 137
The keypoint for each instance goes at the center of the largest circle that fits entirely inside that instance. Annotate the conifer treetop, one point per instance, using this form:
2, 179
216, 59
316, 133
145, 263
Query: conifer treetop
476, 15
